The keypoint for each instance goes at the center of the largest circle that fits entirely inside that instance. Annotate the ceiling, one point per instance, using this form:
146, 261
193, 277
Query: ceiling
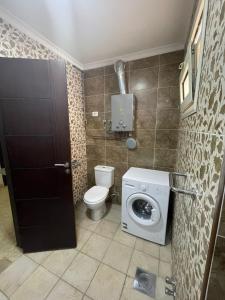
96, 31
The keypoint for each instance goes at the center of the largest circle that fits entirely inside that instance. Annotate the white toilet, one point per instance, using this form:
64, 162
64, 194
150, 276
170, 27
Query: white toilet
95, 197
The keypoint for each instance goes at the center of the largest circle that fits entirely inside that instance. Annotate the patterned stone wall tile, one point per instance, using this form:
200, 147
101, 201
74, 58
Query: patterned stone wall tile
200, 153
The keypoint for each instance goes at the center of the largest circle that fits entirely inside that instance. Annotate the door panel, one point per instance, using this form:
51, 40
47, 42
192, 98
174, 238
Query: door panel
23, 79
32, 212
38, 120
36, 183
41, 147
34, 130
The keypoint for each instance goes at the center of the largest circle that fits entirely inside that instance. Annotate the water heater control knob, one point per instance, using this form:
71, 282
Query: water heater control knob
143, 188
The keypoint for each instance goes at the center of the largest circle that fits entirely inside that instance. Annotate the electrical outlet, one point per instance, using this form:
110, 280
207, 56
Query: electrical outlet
94, 114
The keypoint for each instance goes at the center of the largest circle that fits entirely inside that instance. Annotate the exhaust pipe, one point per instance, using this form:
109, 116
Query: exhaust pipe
119, 68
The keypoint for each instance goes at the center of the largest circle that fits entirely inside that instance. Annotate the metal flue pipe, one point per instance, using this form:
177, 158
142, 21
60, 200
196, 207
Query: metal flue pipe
119, 68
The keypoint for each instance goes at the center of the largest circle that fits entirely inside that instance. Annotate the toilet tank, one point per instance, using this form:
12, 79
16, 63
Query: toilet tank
104, 176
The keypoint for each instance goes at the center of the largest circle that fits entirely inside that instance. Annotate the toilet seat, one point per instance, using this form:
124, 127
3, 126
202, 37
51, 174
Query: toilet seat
96, 194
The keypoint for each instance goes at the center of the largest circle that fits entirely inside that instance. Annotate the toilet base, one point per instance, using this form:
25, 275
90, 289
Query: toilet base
98, 213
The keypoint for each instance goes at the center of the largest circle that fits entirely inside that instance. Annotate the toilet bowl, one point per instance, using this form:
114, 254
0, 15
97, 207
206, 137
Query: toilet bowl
95, 197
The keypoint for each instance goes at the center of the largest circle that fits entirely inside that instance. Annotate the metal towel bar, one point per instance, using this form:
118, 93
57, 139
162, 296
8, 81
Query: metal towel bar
174, 189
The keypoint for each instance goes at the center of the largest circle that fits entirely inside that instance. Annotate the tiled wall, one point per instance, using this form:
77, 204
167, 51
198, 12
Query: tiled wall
154, 81
217, 274
14, 43
200, 155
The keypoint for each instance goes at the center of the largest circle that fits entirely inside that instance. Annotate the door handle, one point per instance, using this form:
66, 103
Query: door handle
66, 165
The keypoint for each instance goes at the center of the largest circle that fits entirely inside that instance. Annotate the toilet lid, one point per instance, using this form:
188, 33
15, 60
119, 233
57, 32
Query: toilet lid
96, 194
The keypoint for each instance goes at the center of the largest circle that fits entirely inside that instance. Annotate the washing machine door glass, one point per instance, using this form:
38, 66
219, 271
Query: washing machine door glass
143, 209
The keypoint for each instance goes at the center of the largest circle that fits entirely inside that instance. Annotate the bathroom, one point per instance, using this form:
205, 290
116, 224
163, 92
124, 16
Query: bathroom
78, 51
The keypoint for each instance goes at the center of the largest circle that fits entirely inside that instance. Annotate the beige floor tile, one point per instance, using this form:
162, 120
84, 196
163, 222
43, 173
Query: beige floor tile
58, 261
64, 291
107, 284
160, 290
125, 238
116, 206
118, 256
37, 286
96, 246
165, 253
2, 296
86, 298
89, 224
14, 276
147, 247
129, 293
82, 237
4, 264
81, 272
144, 261
164, 269
8, 248
39, 257
107, 229
113, 215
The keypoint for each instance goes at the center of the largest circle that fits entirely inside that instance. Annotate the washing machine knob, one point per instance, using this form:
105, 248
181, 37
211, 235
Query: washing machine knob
143, 188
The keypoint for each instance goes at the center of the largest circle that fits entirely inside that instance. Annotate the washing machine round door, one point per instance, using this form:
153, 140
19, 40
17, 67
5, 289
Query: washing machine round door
143, 209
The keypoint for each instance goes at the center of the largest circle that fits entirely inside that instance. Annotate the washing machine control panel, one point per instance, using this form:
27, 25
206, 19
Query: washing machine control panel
143, 187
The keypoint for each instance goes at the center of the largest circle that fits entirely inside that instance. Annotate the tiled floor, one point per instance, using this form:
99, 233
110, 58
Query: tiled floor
102, 267
8, 250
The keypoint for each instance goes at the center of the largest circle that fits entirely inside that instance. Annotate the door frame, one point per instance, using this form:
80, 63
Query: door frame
10, 185
215, 227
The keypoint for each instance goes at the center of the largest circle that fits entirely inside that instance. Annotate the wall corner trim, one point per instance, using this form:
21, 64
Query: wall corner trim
136, 55
35, 35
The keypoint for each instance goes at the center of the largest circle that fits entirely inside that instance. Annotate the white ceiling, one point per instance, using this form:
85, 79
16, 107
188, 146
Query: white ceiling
99, 30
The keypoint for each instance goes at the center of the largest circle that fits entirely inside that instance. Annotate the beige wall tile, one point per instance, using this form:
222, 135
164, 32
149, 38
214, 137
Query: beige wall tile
167, 119
169, 75
166, 139
142, 79
144, 62
165, 158
168, 97
94, 86
93, 72
142, 157
107, 284
172, 57
146, 99
94, 103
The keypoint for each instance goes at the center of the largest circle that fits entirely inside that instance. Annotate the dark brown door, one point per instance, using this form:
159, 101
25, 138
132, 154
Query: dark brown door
34, 132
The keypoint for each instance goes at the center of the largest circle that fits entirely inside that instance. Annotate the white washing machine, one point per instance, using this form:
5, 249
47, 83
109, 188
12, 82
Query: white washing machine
145, 203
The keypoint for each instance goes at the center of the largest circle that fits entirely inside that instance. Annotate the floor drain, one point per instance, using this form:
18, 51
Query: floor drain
145, 282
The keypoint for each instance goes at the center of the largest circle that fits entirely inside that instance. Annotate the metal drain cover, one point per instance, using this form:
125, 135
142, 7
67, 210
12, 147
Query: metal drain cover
145, 282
